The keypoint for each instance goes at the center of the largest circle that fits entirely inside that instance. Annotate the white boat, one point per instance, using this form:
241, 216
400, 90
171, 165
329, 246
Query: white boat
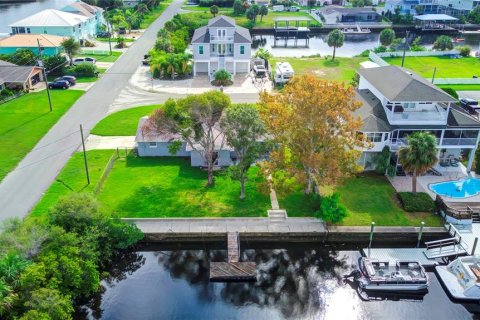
403, 276
461, 277
356, 31
283, 72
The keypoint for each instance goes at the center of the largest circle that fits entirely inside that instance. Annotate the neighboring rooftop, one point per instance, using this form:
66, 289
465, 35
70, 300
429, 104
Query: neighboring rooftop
399, 84
51, 18
10, 72
84, 9
30, 40
343, 10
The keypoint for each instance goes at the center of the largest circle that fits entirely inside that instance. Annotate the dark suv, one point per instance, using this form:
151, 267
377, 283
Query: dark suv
470, 105
60, 84
71, 79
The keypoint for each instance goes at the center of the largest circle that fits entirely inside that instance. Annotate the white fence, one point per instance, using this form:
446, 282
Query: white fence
96, 52
418, 53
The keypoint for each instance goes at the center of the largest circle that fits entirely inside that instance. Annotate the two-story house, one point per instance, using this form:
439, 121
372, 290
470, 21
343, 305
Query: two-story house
221, 45
58, 23
397, 102
93, 13
451, 7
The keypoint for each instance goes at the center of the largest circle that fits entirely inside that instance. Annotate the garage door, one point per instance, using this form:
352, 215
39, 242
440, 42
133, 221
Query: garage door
242, 67
201, 67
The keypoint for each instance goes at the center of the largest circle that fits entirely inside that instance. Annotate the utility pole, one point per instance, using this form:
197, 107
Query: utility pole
109, 36
84, 155
40, 63
405, 47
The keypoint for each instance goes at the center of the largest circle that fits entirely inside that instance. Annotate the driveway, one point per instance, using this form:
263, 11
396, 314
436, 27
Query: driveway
23, 187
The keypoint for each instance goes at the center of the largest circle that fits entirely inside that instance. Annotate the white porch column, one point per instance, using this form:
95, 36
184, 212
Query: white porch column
194, 69
209, 68
234, 67
470, 159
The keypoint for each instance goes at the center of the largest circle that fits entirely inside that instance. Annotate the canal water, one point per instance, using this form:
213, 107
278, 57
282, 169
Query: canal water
294, 281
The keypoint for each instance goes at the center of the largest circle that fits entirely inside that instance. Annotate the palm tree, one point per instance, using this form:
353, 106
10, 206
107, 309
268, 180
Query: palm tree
7, 298
170, 64
214, 10
419, 156
142, 8
263, 12
183, 60
335, 39
131, 18
11, 265
71, 48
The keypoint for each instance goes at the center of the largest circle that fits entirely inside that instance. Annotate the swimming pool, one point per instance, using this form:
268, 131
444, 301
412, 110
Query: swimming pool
457, 189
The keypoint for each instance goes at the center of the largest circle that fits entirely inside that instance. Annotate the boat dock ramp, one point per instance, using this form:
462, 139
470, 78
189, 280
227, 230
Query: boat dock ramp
233, 269
430, 255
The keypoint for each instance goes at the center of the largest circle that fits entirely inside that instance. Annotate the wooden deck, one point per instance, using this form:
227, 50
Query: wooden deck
235, 271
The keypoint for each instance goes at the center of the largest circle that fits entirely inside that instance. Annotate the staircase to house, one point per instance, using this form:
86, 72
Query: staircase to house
476, 217
221, 63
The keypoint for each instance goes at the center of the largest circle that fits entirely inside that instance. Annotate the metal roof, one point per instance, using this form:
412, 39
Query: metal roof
51, 18
435, 17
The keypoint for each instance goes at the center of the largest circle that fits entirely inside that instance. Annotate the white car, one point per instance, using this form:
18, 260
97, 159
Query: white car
81, 60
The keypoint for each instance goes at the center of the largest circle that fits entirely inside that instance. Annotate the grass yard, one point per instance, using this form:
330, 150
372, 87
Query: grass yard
72, 178
267, 22
446, 67
122, 123
156, 187
113, 40
462, 87
342, 69
367, 198
154, 14
25, 120
106, 58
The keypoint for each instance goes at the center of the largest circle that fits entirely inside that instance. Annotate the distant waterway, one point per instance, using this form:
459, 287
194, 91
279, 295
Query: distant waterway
11, 12
295, 281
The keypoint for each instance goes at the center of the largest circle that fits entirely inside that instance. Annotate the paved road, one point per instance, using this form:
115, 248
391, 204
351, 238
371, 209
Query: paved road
24, 186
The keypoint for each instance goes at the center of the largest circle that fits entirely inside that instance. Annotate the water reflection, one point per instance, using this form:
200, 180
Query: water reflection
294, 282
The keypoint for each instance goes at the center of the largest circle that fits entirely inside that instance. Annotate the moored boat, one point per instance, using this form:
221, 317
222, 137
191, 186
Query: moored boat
461, 277
403, 276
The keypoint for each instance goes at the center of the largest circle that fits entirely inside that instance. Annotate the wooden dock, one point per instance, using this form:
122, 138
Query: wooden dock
233, 269
394, 254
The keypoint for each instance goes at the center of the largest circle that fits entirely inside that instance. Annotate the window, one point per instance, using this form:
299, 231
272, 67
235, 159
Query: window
242, 49
28, 30
152, 144
200, 49
212, 48
230, 48
409, 105
221, 33
374, 137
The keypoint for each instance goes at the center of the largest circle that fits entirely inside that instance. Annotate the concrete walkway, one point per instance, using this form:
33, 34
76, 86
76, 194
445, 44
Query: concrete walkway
201, 226
94, 142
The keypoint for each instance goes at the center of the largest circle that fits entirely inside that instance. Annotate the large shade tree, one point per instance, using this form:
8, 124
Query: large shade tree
243, 129
335, 39
195, 120
419, 155
312, 124
71, 48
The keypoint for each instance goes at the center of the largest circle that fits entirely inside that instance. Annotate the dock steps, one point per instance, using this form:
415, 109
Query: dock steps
233, 247
277, 215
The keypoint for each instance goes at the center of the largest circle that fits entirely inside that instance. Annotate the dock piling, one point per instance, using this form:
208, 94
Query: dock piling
422, 224
474, 245
372, 227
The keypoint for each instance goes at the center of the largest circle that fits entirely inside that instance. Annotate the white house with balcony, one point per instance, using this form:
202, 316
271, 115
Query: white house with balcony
397, 102
221, 45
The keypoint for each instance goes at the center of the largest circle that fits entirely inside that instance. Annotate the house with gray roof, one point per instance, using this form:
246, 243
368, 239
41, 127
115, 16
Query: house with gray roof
19, 77
221, 45
397, 102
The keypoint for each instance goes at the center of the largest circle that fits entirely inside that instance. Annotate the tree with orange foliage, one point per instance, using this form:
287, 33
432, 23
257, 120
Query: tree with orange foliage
316, 134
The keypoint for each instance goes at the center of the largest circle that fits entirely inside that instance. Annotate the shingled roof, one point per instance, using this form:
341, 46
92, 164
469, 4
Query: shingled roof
202, 34
399, 84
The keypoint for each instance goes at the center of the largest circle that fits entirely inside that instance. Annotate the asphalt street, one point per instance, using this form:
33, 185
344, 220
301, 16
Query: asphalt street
24, 186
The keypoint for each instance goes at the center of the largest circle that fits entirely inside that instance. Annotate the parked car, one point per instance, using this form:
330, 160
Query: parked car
71, 79
470, 105
84, 60
294, 9
60, 84
103, 34
122, 30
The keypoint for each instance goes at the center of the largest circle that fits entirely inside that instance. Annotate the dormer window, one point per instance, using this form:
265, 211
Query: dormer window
221, 33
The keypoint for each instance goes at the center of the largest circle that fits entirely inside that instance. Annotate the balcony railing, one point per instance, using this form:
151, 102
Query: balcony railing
397, 143
217, 38
419, 116
214, 54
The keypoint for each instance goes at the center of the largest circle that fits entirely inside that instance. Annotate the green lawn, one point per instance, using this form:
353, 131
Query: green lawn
25, 120
106, 58
446, 67
82, 79
156, 187
342, 69
461, 87
154, 14
122, 123
267, 22
367, 198
113, 40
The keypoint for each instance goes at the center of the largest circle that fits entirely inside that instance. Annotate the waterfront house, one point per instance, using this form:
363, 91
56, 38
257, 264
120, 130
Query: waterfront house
153, 144
50, 44
19, 77
397, 102
454, 8
93, 13
56, 22
221, 45
337, 14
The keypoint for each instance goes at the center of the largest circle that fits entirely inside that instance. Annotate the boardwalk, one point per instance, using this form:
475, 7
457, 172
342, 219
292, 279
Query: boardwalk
233, 247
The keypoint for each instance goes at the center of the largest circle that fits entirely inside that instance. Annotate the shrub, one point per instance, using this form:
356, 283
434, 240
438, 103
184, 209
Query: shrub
380, 49
5, 93
464, 50
451, 92
331, 210
416, 202
443, 43
121, 43
88, 43
365, 54
223, 78
83, 70
386, 37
